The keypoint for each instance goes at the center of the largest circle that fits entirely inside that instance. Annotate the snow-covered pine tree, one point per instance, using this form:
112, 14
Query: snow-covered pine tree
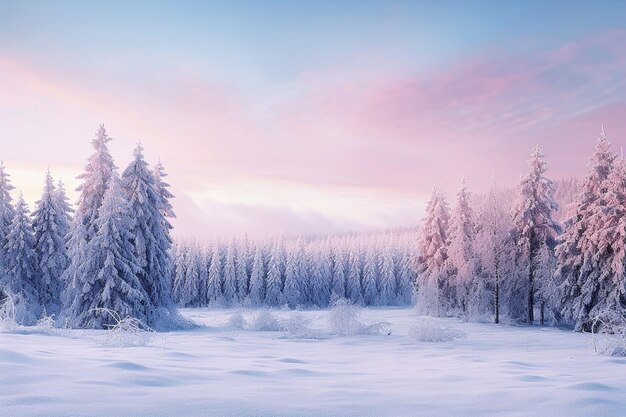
193, 290
584, 259
370, 277
319, 287
151, 230
19, 279
214, 284
292, 295
241, 270
162, 190
96, 178
490, 290
180, 251
433, 289
257, 277
229, 285
108, 278
387, 290
461, 261
64, 210
7, 212
339, 275
49, 225
406, 276
533, 224
354, 292
274, 282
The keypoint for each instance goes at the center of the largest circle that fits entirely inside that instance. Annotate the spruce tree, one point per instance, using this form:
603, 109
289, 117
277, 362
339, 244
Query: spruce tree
151, 237
533, 223
387, 290
257, 277
98, 173
354, 291
591, 253
50, 226
274, 283
19, 279
108, 278
433, 285
214, 284
7, 212
461, 261
229, 285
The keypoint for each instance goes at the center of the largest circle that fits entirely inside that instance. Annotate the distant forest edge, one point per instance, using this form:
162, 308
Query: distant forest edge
547, 252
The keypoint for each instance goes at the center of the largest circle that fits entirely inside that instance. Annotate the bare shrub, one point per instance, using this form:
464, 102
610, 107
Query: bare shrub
428, 329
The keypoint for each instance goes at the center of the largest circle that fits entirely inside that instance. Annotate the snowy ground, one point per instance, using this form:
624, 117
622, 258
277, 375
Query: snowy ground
215, 371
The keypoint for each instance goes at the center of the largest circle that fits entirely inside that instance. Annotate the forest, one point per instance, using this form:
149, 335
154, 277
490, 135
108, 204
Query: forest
543, 251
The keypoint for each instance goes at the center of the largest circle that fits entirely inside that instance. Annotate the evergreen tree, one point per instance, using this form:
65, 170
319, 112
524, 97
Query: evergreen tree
7, 213
461, 261
274, 283
387, 290
108, 278
151, 230
257, 277
19, 279
433, 286
354, 291
214, 285
241, 270
229, 286
339, 275
98, 173
370, 276
181, 253
533, 224
590, 254
490, 290
50, 226
292, 295
64, 210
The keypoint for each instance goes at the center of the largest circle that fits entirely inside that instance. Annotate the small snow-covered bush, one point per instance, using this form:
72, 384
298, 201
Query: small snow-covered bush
7, 315
428, 329
127, 331
236, 321
343, 320
266, 321
609, 335
46, 322
299, 327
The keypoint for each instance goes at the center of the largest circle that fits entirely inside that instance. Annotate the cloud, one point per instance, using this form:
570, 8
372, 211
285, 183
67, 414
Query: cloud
340, 134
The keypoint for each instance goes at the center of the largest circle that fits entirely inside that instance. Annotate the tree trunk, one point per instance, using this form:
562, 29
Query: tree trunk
531, 291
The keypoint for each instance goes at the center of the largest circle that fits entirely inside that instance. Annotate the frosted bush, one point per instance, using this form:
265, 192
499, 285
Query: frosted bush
7, 315
236, 321
343, 320
428, 329
266, 321
127, 332
46, 322
609, 335
299, 327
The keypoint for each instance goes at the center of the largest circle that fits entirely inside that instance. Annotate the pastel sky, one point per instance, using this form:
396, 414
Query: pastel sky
315, 116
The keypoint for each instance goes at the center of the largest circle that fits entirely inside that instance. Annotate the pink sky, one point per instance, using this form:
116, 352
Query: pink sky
333, 149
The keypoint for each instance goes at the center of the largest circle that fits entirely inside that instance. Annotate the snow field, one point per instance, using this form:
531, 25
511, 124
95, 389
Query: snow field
221, 370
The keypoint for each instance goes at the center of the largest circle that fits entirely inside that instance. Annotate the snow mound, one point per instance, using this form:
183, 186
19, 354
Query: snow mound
428, 329
343, 320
